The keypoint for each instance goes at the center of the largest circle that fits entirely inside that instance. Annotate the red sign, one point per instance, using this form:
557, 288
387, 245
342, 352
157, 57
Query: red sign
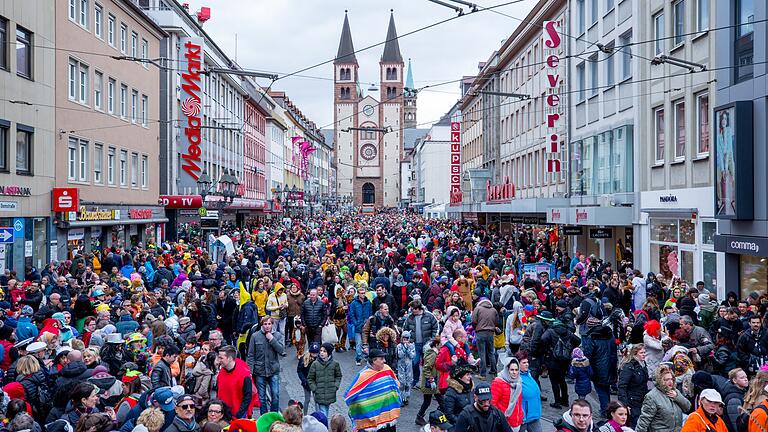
65, 199
140, 213
455, 166
552, 51
500, 192
191, 106
181, 201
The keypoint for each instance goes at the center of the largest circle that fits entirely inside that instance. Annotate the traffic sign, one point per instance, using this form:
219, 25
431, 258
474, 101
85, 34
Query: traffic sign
6, 234
18, 227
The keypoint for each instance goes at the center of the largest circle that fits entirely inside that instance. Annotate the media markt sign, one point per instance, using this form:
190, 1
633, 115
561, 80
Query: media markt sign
191, 58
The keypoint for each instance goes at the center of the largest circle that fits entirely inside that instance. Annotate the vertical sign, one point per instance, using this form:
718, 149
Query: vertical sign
191, 61
455, 166
554, 113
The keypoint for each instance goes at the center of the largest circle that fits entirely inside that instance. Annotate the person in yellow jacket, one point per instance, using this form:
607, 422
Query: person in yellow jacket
259, 296
277, 307
705, 418
361, 275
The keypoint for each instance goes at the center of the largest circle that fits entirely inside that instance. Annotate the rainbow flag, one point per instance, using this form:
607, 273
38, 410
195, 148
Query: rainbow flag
373, 399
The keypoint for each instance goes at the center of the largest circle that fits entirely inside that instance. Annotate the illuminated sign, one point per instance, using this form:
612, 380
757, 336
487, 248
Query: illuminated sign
191, 50
554, 115
455, 165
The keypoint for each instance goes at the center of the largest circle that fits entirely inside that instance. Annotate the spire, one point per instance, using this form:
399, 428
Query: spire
409, 77
391, 48
346, 53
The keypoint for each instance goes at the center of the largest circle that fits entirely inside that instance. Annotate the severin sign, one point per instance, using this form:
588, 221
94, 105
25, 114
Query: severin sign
191, 62
552, 51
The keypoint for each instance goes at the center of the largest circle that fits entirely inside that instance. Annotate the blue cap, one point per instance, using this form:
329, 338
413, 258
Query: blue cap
164, 398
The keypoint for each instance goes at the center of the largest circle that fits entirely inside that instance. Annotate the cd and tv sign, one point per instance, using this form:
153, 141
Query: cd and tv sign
191, 63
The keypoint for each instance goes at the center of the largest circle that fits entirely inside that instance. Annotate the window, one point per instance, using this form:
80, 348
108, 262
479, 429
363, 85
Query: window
98, 21
98, 89
3, 43
144, 171
610, 67
111, 96
123, 100
626, 55
702, 124
134, 106
679, 129
72, 9
111, 30
123, 167
23, 150
83, 160
744, 43
581, 15
144, 50
581, 79
658, 27
134, 169
678, 15
98, 160
83, 83
608, 5
23, 52
73, 79
134, 44
84, 13
702, 15
72, 159
4, 148
593, 78
144, 110
658, 116
111, 166
123, 37
593, 11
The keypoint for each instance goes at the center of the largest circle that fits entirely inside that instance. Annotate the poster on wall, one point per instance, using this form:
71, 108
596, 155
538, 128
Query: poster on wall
734, 197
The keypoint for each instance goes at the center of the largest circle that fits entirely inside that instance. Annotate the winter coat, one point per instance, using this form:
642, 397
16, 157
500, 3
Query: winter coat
443, 364
405, 356
457, 396
302, 369
550, 338
161, 375
564, 423
263, 355
660, 413
179, 425
37, 394
531, 398
313, 315
501, 391
69, 375
600, 358
429, 371
429, 326
203, 377
532, 339
653, 353
633, 385
390, 349
448, 329
324, 380
359, 312
484, 316
733, 399
295, 300
372, 327
698, 421
581, 372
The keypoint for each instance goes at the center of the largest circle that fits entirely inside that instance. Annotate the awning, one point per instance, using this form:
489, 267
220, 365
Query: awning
78, 224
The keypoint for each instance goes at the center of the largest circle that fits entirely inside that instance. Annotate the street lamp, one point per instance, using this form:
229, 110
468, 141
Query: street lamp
229, 184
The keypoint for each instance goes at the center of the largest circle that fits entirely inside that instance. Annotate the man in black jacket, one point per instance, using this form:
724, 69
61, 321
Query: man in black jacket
161, 373
752, 346
314, 314
481, 416
382, 296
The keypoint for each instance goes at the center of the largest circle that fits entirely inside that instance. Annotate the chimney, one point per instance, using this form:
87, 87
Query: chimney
203, 15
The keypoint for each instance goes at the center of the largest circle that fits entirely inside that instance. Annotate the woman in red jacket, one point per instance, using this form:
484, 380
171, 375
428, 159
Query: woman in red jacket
447, 358
507, 393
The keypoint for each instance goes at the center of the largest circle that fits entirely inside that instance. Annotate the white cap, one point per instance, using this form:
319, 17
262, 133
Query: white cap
711, 395
36, 347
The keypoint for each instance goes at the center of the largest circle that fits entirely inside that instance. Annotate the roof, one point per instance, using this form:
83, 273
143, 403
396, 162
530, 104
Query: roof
346, 53
391, 47
409, 77
411, 135
328, 134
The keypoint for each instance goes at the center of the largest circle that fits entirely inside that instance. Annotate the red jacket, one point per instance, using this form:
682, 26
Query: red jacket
500, 392
443, 364
231, 387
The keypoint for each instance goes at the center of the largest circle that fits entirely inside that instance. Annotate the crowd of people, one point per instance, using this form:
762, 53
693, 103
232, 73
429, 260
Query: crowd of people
164, 339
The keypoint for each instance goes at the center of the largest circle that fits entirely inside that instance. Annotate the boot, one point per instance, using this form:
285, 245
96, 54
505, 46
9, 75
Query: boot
420, 421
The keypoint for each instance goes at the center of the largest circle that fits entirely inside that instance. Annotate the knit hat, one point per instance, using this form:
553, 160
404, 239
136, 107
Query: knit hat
703, 299
577, 354
328, 348
265, 421
27, 311
459, 370
320, 417
314, 348
310, 424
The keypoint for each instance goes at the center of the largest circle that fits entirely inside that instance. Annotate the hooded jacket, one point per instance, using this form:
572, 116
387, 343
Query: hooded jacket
484, 317
324, 379
275, 300
531, 398
457, 396
565, 424
660, 413
507, 396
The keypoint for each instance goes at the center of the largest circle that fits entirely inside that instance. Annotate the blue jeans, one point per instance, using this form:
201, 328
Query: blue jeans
323, 409
416, 360
604, 396
358, 347
486, 352
274, 393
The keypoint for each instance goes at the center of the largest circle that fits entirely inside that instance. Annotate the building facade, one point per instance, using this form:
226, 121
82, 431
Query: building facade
27, 134
253, 201
107, 113
368, 133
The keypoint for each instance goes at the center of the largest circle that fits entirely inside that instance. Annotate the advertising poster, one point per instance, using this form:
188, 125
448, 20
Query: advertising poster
725, 164
734, 162
533, 271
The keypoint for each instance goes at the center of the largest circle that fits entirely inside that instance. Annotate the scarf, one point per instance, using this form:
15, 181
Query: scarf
515, 389
615, 426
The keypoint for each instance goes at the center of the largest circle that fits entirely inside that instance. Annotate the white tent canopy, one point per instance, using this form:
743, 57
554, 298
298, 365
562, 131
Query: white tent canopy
223, 242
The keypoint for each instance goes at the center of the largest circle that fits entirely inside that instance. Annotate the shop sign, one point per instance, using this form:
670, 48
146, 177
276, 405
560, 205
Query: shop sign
554, 113
15, 190
668, 199
140, 213
296, 196
600, 233
65, 199
455, 166
187, 212
27, 248
54, 246
180, 201
500, 192
581, 215
211, 214
572, 230
191, 51
756, 246
8, 206
75, 234
555, 215
96, 215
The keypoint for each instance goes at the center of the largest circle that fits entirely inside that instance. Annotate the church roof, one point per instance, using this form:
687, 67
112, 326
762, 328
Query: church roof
391, 47
346, 53
409, 77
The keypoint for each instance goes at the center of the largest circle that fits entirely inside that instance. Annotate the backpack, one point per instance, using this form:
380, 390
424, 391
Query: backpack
596, 314
742, 421
561, 351
189, 384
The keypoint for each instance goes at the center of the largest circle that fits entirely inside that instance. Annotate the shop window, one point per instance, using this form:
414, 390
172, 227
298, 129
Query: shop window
753, 274
708, 231
672, 250
709, 270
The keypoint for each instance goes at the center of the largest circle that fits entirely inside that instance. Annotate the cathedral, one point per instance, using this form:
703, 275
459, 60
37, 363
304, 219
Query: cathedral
369, 131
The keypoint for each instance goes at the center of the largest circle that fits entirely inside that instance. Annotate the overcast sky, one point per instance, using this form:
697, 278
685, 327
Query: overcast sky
287, 35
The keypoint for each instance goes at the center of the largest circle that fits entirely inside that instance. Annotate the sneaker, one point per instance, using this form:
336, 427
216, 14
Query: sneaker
543, 398
420, 421
555, 405
357, 362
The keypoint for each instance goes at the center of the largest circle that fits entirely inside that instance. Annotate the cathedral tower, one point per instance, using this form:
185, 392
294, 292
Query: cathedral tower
346, 94
409, 100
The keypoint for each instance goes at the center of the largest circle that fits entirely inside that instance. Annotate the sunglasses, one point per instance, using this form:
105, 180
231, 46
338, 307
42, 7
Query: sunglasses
188, 407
